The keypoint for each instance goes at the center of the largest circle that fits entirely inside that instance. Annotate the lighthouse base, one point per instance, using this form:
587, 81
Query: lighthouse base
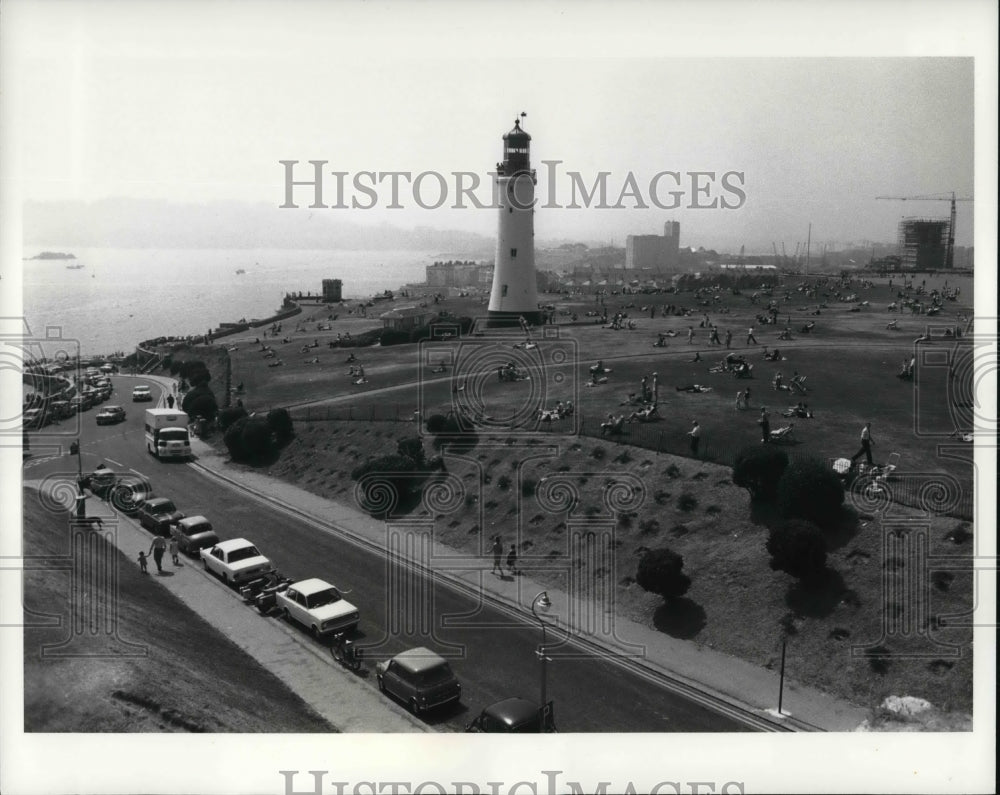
496, 319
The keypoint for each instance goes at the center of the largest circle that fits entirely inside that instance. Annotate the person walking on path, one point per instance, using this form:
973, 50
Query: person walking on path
174, 549
512, 560
143, 563
740, 404
866, 444
690, 335
158, 547
497, 553
695, 435
746, 398
714, 339
729, 337
765, 425
170, 401
751, 337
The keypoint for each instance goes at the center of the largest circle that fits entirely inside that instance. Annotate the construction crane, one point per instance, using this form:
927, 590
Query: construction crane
949, 260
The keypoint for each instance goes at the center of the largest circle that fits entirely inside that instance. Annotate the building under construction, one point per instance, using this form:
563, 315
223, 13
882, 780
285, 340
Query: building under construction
923, 244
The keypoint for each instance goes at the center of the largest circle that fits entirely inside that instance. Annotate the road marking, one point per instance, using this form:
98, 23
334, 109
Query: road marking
116, 463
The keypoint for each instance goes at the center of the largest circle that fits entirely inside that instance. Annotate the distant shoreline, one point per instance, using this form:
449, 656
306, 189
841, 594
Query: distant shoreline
52, 255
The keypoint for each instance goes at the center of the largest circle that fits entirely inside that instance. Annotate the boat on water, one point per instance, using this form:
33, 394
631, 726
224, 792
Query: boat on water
240, 271
75, 267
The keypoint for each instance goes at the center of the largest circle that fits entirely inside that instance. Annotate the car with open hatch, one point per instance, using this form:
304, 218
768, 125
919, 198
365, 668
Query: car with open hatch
235, 561
420, 678
141, 393
110, 415
194, 533
158, 514
318, 606
514, 716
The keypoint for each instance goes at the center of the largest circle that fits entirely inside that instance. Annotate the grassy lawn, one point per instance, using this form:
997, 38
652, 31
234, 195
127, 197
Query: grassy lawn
736, 603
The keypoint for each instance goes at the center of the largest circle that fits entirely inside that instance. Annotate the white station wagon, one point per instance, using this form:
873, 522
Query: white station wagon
317, 605
235, 561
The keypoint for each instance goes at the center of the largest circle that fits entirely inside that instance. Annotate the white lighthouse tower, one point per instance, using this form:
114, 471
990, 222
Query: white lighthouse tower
515, 293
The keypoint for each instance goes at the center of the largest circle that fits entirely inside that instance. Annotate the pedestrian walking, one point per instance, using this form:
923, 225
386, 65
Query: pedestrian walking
714, 339
695, 435
866, 444
174, 550
690, 335
497, 553
740, 405
746, 398
512, 560
765, 425
158, 547
170, 401
143, 563
729, 337
751, 337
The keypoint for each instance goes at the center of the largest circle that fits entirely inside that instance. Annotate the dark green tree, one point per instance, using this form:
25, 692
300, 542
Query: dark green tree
661, 572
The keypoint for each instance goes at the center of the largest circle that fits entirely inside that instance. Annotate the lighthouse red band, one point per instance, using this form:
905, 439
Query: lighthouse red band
515, 292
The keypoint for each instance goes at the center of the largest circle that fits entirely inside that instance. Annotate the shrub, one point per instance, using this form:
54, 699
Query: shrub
391, 336
280, 423
528, 486
395, 470
257, 437
687, 501
200, 402
797, 548
758, 470
598, 453
661, 572
436, 423
503, 482
412, 447
228, 416
649, 526
233, 439
810, 490
195, 372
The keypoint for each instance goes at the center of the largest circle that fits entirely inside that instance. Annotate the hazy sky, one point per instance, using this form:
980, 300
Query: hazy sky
194, 102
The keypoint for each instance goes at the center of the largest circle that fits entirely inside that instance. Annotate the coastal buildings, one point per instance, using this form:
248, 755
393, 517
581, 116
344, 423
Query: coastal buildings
660, 253
923, 244
459, 274
515, 292
405, 318
332, 290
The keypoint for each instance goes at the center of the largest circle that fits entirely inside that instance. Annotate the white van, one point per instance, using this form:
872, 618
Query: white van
167, 433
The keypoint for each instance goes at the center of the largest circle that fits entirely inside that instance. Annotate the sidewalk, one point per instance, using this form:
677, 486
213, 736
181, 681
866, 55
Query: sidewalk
728, 679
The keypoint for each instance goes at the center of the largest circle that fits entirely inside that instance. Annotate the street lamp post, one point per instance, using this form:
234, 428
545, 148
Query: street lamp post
541, 602
81, 499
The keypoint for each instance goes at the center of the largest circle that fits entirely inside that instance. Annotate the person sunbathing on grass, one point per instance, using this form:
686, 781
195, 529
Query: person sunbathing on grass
694, 388
647, 414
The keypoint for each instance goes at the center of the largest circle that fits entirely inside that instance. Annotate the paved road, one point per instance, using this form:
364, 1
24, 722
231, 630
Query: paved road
493, 655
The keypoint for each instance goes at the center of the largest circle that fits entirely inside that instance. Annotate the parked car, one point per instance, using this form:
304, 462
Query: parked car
91, 396
158, 514
101, 481
235, 561
141, 393
61, 409
318, 606
514, 716
110, 415
34, 418
194, 533
419, 678
129, 493
78, 403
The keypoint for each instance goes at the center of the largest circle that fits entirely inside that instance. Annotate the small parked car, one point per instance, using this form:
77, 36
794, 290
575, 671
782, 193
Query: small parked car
110, 415
419, 678
129, 493
141, 393
235, 561
101, 481
78, 403
194, 533
318, 606
34, 418
61, 409
514, 716
158, 514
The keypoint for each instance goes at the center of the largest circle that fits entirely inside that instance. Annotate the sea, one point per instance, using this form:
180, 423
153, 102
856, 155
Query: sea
123, 296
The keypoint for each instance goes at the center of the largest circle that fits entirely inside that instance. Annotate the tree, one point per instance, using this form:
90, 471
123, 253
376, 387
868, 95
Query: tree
412, 447
233, 439
228, 416
257, 437
200, 402
280, 422
660, 572
758, 469
797, 548
809, 489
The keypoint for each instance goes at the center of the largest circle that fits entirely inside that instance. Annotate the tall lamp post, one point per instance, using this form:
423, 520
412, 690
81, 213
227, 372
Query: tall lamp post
541, 602
81, 500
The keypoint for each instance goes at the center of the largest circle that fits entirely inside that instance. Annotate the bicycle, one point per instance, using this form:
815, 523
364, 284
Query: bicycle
345, 652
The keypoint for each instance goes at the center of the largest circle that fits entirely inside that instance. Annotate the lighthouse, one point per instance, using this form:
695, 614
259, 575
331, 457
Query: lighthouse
515, 293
